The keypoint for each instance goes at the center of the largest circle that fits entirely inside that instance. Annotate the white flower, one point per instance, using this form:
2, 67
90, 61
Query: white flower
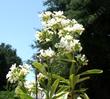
9, 74
68, 37
40, 75
47, 53
58, 20
68, 28
58, 13
65, 22
75, 41
29, 84
13, 67
48, 13
39, 36
16, 72
13, 76
41, 94
45, 14
79, 97
66, 43
26, 66
77, 27
74, 21
51, 22
74, 28
24, 69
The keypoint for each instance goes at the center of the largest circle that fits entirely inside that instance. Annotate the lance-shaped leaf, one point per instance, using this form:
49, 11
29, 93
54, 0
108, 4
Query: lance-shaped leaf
62, 95
73, 80
40, 67
72, 69
92, 71
60, 78
81, 90
22, 94
82, 79
63, 88
54, 87
68, 60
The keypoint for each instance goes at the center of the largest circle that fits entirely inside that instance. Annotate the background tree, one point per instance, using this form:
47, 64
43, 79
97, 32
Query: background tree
95, 16
85, 11
8, 56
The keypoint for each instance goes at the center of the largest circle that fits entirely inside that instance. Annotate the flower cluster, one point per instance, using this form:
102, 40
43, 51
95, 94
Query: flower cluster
58, 64
68, 43
61, 32
58, 40
59, 36
30, 86
47, 53
17, 72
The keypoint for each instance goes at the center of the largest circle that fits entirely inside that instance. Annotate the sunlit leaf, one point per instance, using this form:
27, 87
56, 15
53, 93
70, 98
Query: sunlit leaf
40, 67
60, 78
22, 94
83, 79
54, 87
62, 95
63, 88
92, 71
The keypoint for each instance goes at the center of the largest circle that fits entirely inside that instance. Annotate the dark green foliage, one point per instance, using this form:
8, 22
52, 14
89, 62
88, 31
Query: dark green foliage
84, 11
8, 57
96, 46
7, 95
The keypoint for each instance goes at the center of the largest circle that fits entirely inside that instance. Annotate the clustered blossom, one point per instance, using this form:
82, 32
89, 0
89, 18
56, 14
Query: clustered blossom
61, 37
57, 26
16, 72
41, 93
82, 59
68, 43
13, 74
47, 53
30, 85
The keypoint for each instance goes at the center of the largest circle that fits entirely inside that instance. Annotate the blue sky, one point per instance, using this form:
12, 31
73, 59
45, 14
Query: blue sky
18, 18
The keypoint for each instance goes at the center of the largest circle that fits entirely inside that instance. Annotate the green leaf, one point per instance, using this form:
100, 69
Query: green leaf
68, 60
61, 95
54, 87
60, 78
83, 79
73, 80
69, 56
40, 67
72, 69
62, 88
92, 71
81, 90
22, 94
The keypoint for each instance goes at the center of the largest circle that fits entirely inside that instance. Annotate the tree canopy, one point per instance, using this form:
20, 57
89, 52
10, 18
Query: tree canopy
85, 11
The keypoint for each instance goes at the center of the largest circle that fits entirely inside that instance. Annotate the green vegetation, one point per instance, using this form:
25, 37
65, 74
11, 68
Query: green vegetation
7, 95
